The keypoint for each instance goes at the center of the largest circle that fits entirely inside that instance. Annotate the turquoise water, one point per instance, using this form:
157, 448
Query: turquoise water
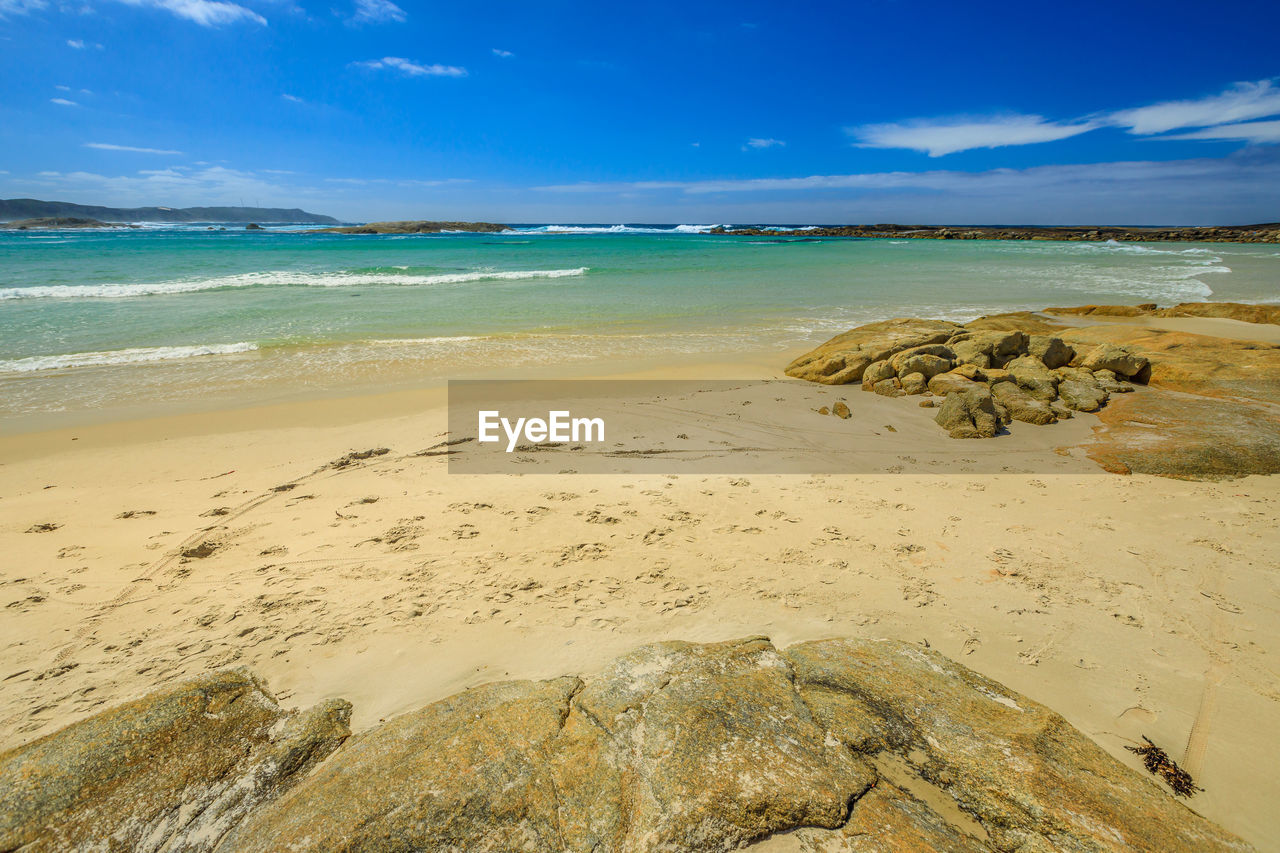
93, 319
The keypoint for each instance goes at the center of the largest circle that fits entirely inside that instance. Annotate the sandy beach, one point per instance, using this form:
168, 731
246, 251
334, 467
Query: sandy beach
143, 552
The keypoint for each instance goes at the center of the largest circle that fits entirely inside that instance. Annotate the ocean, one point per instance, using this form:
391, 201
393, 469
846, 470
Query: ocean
94, 321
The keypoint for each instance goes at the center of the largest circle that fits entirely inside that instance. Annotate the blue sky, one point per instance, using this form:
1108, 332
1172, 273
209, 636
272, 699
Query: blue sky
657, 112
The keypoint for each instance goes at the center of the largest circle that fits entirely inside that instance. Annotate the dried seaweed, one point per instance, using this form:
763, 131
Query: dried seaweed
1158, 762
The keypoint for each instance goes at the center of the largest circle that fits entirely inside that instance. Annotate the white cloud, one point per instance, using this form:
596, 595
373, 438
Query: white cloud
62, 88
948, 136
75, 43
206, 13
410, 68
107, 146
20, 7
1255, 132
1243, 101
293, 99
63, 102
502, 54
378, 12
765, 143
1113, 177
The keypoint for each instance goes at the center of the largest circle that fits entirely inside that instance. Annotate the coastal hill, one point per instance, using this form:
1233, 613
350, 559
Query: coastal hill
30, 208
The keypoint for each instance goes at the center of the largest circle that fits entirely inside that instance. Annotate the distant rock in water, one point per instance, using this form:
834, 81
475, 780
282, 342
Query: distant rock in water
1262, 233
675, 746
56, 222
27, 208
415, 227
1218, 422
253, 226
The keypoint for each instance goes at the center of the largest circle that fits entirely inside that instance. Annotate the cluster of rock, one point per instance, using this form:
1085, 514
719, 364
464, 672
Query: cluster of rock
986, 378
859, 744
1268, 233
414, 227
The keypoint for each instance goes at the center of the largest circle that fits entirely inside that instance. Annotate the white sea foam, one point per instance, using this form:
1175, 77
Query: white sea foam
138, 355
276, 278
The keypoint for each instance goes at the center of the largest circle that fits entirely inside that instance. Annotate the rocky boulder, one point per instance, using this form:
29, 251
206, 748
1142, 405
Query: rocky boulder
174, 771
1021, 406
1050, 350
969, 414
1034, 377
843, 359
675, 746
1118, 360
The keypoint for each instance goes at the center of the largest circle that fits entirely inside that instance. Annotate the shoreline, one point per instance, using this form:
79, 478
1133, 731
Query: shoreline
1132, 605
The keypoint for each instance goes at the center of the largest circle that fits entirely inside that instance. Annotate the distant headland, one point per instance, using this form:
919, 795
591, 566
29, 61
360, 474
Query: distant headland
29, 208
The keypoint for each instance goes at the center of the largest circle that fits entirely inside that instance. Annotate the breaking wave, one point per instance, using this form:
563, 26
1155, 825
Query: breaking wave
137, 355
276, 279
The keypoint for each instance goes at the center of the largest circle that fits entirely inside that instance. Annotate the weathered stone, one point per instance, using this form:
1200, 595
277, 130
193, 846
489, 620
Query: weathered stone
928, 365
1051, 350
1033, 377
841, 410
970, 414
914, 383
1082, 396
929, 403
843, 359
941, 351
1186, 437
877, 371
1060, 410
971, 352
995, 375
1108, 382
971, 372
1032, 781
675, 746
1114, 358
947, 383
889, 387
1194, 364
1225, 310
857, 744
1027, 322
1021, 405
1105, 310
824, 411
173, 771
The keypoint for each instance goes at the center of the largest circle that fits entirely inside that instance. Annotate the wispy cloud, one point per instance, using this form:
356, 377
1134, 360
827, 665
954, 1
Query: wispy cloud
178, 186
407, 182
1114, 175
947, 136
410, 68
75, 43
107, 146
378, 12
764, 143
937, 137
1254, 131
1241, 102
502, 54
63, 102
206, 13
20, 7
294, 99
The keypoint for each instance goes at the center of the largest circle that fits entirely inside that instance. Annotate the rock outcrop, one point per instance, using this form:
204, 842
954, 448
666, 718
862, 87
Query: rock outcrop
173, 771
1262, 233
675, 746
1037, 371
1219, 310
413, 227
